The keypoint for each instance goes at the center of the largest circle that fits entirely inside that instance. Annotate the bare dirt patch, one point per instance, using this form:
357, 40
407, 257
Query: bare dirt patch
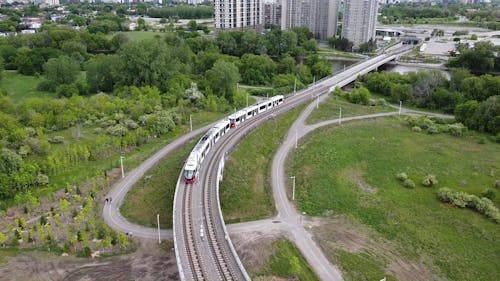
255, 249
341, 233
355, 174
149, 262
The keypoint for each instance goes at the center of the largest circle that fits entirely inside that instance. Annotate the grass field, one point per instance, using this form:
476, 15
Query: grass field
287, 262
352, 170
154, 193
21, 87
248, 195
329, 109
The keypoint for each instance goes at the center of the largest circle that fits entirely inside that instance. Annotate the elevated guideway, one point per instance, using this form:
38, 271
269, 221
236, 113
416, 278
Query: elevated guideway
203, 249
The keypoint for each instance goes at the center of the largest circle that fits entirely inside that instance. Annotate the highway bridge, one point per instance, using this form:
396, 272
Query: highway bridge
202, 245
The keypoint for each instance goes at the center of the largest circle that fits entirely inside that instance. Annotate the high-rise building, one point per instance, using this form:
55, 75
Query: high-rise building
238, 14
360, 19
320, 16
272, 13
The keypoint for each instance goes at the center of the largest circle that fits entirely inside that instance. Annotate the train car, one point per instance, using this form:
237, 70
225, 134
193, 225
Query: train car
216, 132
237, 118
191, 168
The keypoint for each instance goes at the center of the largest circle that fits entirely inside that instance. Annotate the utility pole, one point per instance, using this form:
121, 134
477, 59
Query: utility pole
400, 104
314, 79
293, 187
190, 122
295, 87
340, 115
317, 102
158, 222
121, 164
247, 99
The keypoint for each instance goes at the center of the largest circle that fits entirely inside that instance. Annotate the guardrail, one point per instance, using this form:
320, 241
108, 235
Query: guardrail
226, 235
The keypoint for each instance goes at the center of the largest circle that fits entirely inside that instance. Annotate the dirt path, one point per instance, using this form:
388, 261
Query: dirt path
149, 262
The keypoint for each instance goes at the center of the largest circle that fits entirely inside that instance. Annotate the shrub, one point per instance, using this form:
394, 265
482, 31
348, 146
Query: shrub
402, 176
43, 220
488, 193
408, 183
429, 180
462, 200
432, 130
457, 129
416, 129
497, 184
56, 139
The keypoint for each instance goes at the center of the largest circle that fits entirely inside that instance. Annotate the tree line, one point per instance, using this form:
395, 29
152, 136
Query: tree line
475, 100
115, 94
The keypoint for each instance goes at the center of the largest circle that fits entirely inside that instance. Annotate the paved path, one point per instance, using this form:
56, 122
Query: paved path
111, 211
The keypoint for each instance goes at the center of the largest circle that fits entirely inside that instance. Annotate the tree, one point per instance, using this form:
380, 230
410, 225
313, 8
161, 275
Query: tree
222, 78
458, 75
369, 46
257, 70
466, 113
147, 62
488, 115
10, 162
61, 71
103, 72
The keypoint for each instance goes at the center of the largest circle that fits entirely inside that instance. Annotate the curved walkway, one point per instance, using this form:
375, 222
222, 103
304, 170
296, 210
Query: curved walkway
111, 210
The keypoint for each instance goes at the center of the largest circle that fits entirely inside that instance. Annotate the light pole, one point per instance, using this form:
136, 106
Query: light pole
317, 102
293, 187
158, 222
340, 115
121, 164
190, 122
247, 99
400, 104
314, 79
295, 87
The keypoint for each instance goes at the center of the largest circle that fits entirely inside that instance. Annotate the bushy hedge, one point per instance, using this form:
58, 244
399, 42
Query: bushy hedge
435, 125
462, 199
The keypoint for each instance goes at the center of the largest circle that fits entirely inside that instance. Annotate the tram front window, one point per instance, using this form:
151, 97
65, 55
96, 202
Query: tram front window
189, 174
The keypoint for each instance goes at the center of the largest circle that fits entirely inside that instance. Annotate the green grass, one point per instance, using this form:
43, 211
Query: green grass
20, 87
139, 35
329, 109
372, 268
246, 190
287, 262
332, 162
337, 53
154, 193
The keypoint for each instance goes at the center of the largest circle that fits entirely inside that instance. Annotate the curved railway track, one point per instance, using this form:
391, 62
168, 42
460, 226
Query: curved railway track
191, 245
222, 264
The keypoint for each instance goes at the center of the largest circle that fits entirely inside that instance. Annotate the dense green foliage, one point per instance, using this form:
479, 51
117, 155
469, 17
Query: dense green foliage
462, 199
482, 58
415, 12
152, 85
351, 170
182, 12
287, 262
473, 100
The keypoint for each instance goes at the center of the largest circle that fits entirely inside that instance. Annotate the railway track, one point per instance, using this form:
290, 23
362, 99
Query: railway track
190, 242
218, 260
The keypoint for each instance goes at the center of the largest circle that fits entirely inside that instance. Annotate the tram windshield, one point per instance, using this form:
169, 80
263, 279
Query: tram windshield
189, 174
